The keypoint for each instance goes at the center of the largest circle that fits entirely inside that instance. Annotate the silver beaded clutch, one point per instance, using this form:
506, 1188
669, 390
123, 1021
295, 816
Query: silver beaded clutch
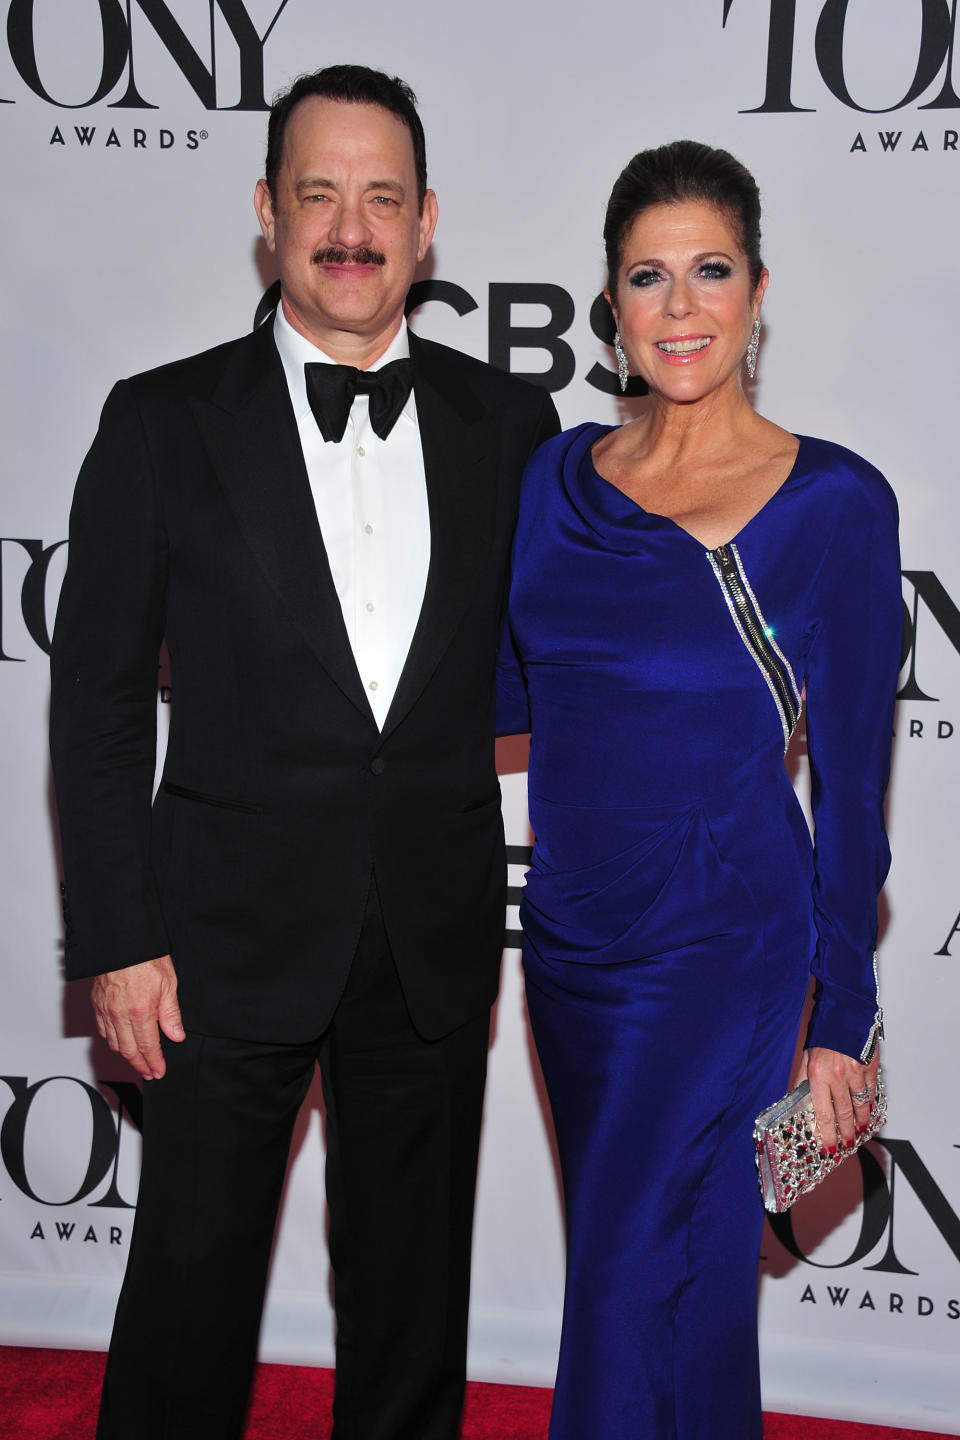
790, 1153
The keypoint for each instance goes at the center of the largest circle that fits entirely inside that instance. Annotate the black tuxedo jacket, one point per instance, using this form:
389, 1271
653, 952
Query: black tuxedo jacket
193, 522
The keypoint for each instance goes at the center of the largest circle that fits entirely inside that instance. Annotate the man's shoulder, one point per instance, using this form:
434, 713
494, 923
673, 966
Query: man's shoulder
496, 386
200, 373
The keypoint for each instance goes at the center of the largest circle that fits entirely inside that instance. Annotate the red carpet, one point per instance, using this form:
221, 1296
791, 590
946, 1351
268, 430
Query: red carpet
52, 1395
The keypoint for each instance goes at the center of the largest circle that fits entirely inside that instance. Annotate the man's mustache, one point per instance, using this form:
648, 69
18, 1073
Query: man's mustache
338, 255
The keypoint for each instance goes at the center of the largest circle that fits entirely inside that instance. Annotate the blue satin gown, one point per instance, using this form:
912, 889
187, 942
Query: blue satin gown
675, 907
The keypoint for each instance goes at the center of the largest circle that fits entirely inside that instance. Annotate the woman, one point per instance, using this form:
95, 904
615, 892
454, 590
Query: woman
677, 582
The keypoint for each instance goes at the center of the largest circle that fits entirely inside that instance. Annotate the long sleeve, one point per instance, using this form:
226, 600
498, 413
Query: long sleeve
106, 644
851, 678
513, 704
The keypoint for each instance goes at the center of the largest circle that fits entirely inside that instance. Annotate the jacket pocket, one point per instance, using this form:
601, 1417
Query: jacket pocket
218, 801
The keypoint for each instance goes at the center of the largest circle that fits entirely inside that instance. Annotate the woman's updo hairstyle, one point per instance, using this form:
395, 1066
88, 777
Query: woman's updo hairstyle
671, 174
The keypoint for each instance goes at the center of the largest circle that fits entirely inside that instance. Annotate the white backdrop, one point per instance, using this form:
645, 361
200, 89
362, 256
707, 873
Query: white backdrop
132, 135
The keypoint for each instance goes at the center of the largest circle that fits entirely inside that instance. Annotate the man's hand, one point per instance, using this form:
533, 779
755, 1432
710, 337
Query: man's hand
132, 1007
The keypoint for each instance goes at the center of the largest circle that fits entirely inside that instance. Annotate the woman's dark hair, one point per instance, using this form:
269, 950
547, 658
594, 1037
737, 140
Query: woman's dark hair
671, 174
351, 85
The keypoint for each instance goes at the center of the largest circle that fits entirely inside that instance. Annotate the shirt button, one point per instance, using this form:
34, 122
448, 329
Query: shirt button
377, 766
373, 685
360, 450
368, 529
370, 606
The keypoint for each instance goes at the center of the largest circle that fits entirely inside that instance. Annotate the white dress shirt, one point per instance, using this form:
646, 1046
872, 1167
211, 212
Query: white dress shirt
371, 499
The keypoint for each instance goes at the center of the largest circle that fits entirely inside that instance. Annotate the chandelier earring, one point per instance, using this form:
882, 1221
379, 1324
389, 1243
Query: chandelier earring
623, 370
752, 349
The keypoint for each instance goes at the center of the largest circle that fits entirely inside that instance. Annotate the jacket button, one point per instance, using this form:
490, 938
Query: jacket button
377, 766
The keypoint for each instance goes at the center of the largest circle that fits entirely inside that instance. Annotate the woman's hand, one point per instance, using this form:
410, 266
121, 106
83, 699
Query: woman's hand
841, 1090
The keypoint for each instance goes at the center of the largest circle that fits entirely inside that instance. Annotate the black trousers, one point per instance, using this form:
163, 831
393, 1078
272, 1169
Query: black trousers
403, 1129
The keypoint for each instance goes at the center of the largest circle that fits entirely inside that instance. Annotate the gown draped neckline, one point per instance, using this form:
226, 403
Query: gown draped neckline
609, 509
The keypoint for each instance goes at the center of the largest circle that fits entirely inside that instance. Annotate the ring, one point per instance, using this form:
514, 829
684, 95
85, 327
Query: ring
861, 1096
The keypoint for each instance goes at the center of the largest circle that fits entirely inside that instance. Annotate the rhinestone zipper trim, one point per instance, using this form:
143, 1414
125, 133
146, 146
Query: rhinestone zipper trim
756, 636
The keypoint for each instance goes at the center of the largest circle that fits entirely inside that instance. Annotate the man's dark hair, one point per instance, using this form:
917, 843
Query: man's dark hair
671, 174
351, 85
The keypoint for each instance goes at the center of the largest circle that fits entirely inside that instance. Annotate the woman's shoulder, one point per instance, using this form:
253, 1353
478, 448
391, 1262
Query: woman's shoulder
844, 481
553, 471
552, 461
575, 441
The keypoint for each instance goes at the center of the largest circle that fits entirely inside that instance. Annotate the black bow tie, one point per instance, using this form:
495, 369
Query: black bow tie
331, 390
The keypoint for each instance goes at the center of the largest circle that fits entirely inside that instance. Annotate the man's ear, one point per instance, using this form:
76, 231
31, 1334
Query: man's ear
263, 204
428, 223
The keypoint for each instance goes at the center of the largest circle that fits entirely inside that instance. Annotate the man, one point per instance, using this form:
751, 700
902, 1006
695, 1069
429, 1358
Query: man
321, 876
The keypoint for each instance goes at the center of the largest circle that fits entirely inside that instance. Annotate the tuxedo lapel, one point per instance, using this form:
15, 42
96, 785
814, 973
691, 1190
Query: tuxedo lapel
459, 437
251, 436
